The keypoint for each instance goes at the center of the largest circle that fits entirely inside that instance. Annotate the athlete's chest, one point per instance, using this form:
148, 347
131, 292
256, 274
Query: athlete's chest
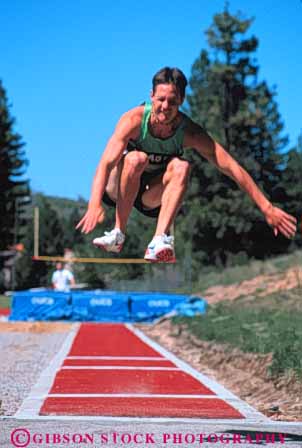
158, 159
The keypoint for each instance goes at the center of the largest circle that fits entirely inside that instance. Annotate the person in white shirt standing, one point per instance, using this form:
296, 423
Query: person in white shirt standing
62, 278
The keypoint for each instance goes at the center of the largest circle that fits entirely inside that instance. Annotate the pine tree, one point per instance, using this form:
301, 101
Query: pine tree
14, 190
291, 190
241, 113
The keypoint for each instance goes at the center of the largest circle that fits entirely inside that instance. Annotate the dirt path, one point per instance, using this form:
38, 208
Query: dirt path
243, 374
261, 285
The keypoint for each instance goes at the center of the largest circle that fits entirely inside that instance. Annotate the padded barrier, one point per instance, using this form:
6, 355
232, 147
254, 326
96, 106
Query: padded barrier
103, 306
41, 305
147, 306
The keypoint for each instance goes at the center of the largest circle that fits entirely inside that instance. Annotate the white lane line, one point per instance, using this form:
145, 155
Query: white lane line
128, 396
117, 368
251, 414
124, 358
97, 418
31, 406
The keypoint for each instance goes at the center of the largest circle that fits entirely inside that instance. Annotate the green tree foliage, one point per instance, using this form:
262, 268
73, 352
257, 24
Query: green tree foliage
292, 185
51, 242
14, 190
241, 113
291, 177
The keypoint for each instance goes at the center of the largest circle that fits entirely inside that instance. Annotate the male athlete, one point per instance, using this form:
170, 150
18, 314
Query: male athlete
142, 167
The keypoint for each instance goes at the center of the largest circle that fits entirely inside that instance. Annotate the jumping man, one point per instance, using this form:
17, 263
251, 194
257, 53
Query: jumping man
142, 167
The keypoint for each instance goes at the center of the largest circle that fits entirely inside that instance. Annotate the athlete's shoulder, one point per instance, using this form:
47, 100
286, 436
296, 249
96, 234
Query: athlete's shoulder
191, 127
193, 133
130, 121
134, 115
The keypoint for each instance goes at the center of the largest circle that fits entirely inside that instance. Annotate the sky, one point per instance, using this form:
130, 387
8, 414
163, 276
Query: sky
71, 68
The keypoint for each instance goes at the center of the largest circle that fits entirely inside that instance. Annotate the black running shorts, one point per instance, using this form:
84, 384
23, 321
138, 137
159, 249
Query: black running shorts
138, 203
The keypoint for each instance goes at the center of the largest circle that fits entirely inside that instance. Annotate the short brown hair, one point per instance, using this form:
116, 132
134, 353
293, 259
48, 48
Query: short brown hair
168, 75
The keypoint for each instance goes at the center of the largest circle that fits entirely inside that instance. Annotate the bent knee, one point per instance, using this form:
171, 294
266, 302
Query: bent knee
135, 161
179, 169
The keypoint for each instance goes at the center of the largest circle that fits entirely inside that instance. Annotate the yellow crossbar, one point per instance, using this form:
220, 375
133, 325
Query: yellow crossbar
93, 260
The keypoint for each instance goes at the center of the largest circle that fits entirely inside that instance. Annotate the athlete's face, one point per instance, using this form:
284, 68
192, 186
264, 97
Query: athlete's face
165, 102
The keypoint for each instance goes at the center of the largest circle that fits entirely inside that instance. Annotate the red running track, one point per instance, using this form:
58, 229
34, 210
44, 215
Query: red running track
4, 311
107, 360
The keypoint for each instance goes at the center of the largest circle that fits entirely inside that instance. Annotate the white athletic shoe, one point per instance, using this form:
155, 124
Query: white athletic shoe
111, 242
161, 249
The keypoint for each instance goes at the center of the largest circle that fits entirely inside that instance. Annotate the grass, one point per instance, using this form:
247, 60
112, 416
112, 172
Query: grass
257, 325
5, 302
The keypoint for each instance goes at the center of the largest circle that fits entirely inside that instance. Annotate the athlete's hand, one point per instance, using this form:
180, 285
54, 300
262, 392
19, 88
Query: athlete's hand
281, 221
92, 217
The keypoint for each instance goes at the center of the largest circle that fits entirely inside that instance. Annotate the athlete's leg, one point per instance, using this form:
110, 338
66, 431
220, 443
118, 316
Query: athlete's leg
134, 164
113, 182
122, 188
175, 181
168, 191
112, 241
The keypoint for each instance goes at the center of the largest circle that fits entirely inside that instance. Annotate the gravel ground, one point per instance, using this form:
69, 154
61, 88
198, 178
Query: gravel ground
24, 355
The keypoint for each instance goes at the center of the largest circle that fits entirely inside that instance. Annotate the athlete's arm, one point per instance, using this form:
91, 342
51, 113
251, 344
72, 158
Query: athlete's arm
197, 138
127, 127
